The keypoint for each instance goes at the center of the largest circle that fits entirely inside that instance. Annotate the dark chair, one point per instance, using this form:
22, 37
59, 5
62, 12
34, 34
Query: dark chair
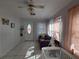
44, 40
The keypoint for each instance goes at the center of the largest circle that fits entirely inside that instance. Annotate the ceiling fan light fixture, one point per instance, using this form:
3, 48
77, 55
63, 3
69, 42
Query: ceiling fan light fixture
31, 6
32, 14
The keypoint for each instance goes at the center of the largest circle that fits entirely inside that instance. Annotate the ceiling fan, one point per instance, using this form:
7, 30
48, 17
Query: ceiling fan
31, 6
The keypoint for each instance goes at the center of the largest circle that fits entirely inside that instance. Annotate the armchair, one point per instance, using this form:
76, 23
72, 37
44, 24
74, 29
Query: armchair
44, 40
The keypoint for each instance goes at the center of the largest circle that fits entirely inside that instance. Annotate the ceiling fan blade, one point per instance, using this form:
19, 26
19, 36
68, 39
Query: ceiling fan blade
32, 13
38, 6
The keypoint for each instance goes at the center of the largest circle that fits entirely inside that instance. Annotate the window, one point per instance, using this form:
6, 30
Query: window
41, 28
50, 28
55, 28
58, 28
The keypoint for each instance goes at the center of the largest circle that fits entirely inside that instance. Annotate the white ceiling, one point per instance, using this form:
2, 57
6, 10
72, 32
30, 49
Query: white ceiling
10, 8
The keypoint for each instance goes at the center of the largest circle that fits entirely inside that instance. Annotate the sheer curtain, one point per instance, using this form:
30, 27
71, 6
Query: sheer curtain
55, 28
73, 31
50, 28
41, 28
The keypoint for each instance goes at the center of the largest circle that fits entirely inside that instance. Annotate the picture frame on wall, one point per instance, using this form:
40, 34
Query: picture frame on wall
12, 25
5, 21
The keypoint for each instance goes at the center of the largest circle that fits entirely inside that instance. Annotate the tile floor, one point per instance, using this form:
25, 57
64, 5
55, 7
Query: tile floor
20, 51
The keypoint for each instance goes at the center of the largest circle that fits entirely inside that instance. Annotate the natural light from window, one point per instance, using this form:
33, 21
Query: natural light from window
29, 28
31, 54
55, 28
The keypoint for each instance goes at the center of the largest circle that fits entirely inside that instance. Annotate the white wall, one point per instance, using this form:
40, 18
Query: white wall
9, 37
